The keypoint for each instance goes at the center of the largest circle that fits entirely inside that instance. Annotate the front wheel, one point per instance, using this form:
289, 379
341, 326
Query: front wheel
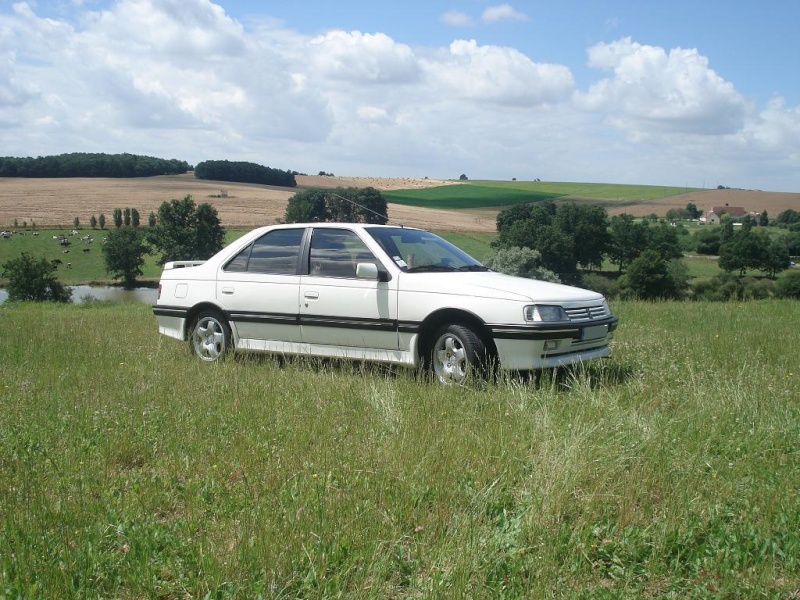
457, 354
210, 336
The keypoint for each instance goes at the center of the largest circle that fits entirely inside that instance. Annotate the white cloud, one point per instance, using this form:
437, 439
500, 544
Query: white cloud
456, 18
653, 91
181, 78
499, 75
491, 14
503, 12
366, 58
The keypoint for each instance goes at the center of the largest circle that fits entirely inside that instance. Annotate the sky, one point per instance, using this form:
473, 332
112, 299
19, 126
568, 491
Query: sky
679, 93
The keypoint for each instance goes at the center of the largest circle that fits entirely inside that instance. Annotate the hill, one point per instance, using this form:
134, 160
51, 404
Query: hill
435, 204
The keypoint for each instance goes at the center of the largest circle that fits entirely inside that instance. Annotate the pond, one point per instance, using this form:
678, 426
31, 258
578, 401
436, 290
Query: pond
80, 294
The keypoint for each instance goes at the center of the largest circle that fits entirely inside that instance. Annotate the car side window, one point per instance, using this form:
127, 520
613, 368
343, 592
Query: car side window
275, 253
336, 252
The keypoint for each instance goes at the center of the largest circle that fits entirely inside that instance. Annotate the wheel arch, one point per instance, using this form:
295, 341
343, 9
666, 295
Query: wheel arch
192, 313
452, 316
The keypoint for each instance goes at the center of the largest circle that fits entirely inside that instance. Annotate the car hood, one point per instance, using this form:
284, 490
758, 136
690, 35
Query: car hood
495, 285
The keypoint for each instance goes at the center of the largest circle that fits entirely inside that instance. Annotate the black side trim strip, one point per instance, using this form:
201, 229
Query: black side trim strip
349, 323
170, 311
274, 318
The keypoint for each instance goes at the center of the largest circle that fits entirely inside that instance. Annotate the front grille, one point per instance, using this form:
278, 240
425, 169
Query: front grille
586, 313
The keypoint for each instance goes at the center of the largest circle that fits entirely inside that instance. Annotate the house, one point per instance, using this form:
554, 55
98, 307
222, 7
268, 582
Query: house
713, 216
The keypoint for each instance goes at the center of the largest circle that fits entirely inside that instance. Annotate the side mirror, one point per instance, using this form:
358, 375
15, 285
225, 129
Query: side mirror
367, 271
372, 271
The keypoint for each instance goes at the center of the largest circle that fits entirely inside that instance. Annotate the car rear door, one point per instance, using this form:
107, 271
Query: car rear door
260, 288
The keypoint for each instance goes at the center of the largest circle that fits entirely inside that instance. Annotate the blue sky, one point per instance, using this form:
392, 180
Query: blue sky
680, 93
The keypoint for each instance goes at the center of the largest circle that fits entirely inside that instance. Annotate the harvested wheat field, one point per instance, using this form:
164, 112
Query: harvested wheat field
56, 202
751, 200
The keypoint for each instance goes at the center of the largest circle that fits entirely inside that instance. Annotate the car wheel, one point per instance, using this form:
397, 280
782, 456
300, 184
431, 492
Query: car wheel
210, 336
457, 354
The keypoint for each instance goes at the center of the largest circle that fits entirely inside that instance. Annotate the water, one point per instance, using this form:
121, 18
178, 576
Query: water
80, 293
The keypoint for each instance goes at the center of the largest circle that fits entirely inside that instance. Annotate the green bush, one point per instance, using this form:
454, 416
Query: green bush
729, 286
789, 285
608, 286
33, 279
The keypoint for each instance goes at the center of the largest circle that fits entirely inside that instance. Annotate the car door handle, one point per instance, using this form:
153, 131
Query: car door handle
227, 290
311, 295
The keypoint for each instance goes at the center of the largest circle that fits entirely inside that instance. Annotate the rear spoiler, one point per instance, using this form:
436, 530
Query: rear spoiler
182, 264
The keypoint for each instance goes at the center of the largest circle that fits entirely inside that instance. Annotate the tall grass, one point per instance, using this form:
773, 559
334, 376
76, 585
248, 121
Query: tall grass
128, 469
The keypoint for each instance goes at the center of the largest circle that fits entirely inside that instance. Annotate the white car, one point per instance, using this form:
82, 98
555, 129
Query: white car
375, 292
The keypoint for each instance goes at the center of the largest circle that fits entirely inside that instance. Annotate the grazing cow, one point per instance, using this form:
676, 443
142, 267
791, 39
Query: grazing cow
87, 249
35, 233
65, 242
65, 251
55, 262
69, 265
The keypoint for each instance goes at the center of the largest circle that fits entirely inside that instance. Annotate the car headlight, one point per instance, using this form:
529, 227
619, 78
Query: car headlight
544, 313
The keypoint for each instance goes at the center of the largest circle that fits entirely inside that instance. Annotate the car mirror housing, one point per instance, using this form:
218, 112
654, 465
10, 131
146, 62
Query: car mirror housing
367, 271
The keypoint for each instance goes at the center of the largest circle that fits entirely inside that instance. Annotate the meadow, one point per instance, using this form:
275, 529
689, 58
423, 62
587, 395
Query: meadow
130, 470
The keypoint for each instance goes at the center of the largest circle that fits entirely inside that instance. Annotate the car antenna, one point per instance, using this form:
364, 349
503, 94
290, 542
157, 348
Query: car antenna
386, 217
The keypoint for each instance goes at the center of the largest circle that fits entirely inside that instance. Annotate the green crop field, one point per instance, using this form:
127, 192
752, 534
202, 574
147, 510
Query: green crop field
128, 469
498, 194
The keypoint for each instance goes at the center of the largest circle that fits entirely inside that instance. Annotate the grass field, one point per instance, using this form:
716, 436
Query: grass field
130, 470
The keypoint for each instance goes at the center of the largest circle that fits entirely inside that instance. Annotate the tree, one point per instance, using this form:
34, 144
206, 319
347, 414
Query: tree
788, 286
76, 222
117, 216
650, 277
745, 250
307, 206
463, 177
32, 279
708, 241
126, 217
628, 240
692, 211
776, 258
763, 219
124, 251
93, 222
346, 205
151, 220
520, 262
588, 228
185, 231
788, 217
135, 217
101, 220
663, 238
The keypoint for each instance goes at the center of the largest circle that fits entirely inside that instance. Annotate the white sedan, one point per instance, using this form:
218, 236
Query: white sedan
374, 292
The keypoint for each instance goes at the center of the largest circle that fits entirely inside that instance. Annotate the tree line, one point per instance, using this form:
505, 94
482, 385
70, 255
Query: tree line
243, 172
82, 164
569, 241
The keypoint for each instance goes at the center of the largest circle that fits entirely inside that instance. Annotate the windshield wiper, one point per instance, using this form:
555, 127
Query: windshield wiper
474, 268
430, 268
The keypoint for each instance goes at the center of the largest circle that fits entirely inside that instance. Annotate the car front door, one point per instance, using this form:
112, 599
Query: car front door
338, 308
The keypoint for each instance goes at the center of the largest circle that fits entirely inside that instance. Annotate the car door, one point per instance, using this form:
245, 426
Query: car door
338, 308
260, 289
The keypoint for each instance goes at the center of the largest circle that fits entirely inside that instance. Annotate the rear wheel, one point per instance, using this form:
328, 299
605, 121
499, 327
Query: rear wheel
458, 354
210, 336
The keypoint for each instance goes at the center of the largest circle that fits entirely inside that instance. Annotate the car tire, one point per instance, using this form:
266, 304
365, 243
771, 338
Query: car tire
457, 355
210, 336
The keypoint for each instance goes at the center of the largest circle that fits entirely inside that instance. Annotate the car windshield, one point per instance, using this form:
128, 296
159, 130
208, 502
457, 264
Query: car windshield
417, 251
